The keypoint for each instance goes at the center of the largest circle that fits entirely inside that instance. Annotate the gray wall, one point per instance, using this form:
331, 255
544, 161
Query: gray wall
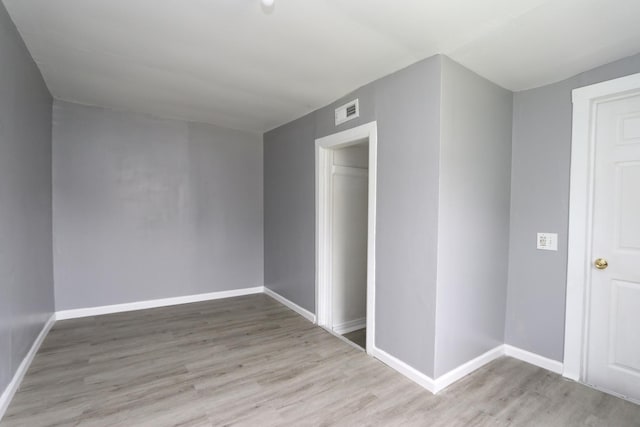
147, 208
408, 115
406, 106
289, 211
473, 228
26, 277
540, 202
289, 194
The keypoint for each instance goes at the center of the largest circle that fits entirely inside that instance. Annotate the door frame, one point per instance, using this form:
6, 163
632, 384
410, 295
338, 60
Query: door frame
324, 160
579, 268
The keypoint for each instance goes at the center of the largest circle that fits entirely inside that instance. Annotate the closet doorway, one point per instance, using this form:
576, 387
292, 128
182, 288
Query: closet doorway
345, 233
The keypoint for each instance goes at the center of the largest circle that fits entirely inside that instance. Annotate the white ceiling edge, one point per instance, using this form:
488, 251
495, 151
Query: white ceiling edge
159, 117
571, 37
304, 113
229, 64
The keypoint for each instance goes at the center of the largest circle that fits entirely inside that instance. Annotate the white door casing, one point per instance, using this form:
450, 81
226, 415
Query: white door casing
613, 344
602, 336
324, 165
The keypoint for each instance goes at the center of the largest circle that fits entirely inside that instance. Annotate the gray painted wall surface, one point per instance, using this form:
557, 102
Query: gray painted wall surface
325, 117
406, 106
26, 276
289, 194
408, 115
542, 120
147, 208
473, 228
289, 211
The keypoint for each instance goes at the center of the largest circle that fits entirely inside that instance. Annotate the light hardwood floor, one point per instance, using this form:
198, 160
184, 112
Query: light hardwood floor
250, 361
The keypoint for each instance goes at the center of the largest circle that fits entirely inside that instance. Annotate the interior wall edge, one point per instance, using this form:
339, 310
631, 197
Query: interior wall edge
405, 369
18, 376
290, 304
455, 374
475, 168
26, 278
534, 359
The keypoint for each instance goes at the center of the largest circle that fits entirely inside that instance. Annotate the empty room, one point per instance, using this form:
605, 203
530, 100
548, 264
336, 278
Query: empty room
319, 213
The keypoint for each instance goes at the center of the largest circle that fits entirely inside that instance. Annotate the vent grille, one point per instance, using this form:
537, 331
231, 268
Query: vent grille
348, 111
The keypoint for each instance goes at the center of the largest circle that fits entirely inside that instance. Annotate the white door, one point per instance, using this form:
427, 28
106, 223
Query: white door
613, 359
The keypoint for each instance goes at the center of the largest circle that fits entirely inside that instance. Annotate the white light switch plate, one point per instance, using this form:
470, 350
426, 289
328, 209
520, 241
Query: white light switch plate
548, 241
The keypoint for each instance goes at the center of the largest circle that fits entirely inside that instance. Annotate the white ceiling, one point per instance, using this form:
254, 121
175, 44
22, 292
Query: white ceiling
231, 63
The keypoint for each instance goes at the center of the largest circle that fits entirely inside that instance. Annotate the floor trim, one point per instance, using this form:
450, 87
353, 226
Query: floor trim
12, 387
408, 371
534, 359
465, 369
164, 302
292, 305
350, 326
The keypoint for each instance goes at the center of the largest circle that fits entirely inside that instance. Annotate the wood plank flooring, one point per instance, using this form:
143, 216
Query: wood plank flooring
249, 361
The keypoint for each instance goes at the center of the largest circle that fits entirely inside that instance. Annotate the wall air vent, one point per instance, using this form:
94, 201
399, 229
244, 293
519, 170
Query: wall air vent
348, 111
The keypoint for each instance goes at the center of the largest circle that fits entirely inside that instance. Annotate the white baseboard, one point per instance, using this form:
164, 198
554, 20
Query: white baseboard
350, 326
292, 305
465, 369
534, 359
13, 386
141, 305
442, 382
408, 371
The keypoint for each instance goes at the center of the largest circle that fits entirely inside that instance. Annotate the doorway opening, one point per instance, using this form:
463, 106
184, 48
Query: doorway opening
345, 234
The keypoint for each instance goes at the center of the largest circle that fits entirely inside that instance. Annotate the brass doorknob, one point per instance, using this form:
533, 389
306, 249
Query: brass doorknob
601, 263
